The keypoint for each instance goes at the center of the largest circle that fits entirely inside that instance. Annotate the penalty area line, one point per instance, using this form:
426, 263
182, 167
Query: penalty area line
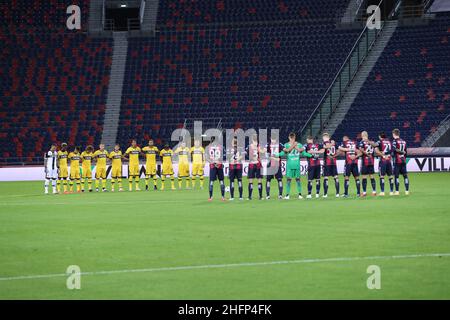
231, 265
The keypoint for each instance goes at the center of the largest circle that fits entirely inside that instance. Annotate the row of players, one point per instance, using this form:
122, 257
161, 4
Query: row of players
57, 167
292, 150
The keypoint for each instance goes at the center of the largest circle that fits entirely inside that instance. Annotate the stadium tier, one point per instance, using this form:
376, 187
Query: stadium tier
250, 77
177, 13
39, 15
54, 90
408, 87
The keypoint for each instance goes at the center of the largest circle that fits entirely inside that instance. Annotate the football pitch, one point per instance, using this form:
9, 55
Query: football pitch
177, 245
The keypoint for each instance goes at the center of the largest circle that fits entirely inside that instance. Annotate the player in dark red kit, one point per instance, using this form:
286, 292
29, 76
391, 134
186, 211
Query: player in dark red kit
329, 164
383, 149
366, 147
313, 164
254, 167
399, 151
214, 154
235, 156
273, 148
351, 164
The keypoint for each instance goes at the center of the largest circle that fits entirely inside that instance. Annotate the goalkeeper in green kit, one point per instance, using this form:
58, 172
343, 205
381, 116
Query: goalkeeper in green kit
293, 151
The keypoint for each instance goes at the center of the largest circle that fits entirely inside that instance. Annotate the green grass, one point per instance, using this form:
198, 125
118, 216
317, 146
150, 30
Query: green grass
42, 234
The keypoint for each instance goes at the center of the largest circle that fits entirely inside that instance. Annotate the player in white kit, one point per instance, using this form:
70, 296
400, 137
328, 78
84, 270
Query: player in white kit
51, 169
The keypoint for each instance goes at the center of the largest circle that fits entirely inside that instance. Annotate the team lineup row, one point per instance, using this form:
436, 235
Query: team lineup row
391, 154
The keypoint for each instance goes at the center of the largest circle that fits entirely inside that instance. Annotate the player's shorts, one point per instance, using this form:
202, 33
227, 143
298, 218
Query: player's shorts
167, 170
51, 174
351, 169
133, 170
313, 172
63, 173
197, 169
254, 172
235, 173
400, 168
278, 175
367, 169
86, 172
150, 169
116, 172
330, 170
74, 173
100, 173
216, 173
183, 170
293, 173
385, 168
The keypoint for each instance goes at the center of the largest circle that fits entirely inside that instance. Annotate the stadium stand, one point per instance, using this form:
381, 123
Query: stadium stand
409, 86
54, 81
263, 75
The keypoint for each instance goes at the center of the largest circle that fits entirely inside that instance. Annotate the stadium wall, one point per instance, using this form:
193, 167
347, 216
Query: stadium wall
416, 164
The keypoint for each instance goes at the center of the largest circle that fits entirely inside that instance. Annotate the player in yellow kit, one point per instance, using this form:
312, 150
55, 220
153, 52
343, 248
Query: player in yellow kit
86, 169
63, 170
74, 158
101, 155
132, 154
183, 164
167, 167
116, 164
198, 162
150, 153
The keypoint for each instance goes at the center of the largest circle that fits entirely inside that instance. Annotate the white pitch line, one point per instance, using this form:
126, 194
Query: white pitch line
230, 265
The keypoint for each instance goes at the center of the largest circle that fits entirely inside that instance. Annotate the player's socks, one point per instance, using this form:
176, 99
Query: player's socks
112, 184
130, 184
136, 180
54, 185
250, 189
155, 179
96, 183
288, 187
71, 185
180, 181
268, 188
382, 184
240, 188
317, 187
405, 177
119, 182
397, 184
280, 188
325, 186
232, 189
78, 185
202, 179
260, 189
358, 187
172, 183
336, 185
364, 185
90, 184
65, 185
147, 178
104, 183
391, 184
299, 186
346, 184
374, 185
211, 186
193, 181
46, 183
187, 183
309, 186
222, 188
58, 185
163, 179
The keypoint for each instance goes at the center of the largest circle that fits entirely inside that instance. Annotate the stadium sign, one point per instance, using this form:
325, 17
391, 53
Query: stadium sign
34, 173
